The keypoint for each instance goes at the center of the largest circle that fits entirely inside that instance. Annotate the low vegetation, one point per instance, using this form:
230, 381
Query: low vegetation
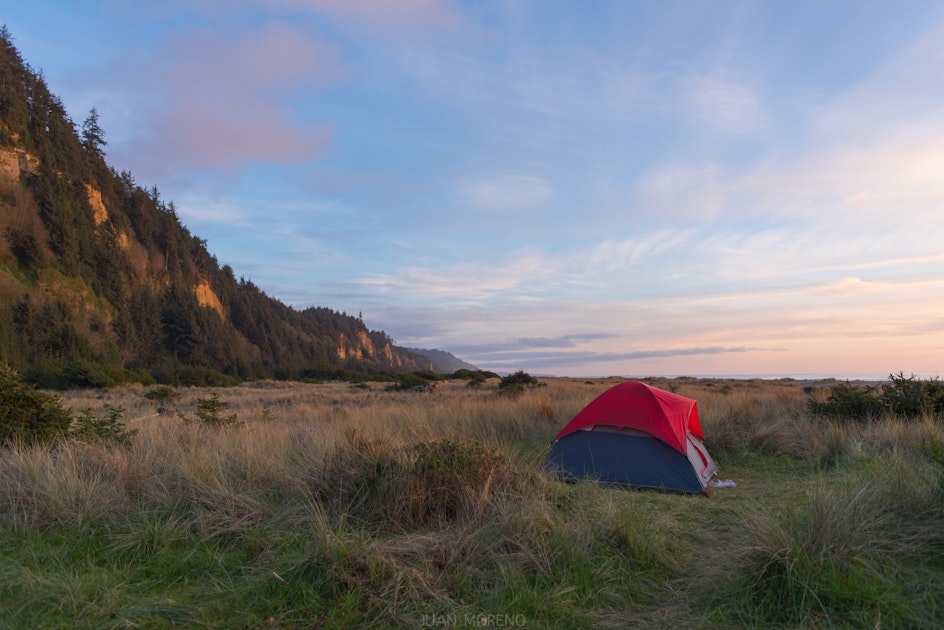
26, 414
334, 505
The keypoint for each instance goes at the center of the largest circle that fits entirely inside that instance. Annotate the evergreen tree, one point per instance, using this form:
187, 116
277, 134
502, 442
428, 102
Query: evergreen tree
93, 137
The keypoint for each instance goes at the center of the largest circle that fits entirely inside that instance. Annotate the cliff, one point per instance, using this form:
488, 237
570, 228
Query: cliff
100, 280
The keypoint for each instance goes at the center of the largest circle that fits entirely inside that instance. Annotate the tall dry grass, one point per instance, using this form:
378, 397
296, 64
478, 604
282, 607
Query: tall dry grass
337, 506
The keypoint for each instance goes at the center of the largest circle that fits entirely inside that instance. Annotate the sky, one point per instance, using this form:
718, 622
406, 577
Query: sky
565, 187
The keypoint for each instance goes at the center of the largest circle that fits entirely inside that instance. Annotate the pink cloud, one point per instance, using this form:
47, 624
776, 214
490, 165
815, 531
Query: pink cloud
214, 99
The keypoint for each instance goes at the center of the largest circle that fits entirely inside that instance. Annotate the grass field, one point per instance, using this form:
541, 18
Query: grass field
338, 506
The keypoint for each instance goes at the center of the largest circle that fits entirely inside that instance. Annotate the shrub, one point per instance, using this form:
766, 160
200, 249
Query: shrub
448, 477
425, 484
475, 380
210, 411
469, 375
849, 402
910, 397
905, 396
76, 375
204, 377
520, 378
28, 415
414, 379
162, 395
359, 479
108, 428
429, 375
90, 375
514, 388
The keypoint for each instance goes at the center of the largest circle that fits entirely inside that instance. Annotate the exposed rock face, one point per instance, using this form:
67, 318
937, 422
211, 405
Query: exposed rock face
359, 347
13, 163
207, 298
100, 213
362, 347
9, 166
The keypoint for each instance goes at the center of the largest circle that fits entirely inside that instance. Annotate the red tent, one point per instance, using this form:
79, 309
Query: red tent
637, 435
635, 405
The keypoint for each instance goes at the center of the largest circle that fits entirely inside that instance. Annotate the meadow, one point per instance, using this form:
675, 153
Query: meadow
341, 506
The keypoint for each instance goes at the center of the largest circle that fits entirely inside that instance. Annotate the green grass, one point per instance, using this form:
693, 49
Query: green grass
386, 511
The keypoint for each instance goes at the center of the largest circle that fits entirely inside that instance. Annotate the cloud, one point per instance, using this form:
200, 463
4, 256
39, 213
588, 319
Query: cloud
619, 255
507, 193
846, 286
216, 99
724, 105
499, 359
462, 283
564, 341
673, 193
897, 91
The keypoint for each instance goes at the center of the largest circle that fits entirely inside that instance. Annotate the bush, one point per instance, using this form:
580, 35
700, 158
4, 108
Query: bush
910, 397
108, 428
203, 377
905, 396
162, 395
426, 484
448, 477
28, 415
513, 388
210, 410
85, 375
849, 402
476, 380
474, 377
521, 379
75, 375
414, 380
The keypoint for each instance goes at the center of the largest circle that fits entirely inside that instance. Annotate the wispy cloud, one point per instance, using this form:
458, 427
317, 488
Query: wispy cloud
564, 341
507, 193
846, 286
510, 359
723, 104
681, 193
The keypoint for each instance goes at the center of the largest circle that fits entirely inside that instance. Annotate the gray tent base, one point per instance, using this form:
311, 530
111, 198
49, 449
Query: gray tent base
625, 459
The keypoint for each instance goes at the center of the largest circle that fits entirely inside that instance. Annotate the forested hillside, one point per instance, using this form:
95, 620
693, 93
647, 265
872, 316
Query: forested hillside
100, 281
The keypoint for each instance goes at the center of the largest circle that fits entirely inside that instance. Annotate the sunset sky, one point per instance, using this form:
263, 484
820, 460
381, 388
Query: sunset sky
615, 187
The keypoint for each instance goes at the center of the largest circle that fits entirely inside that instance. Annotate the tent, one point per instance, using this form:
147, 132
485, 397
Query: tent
637, 435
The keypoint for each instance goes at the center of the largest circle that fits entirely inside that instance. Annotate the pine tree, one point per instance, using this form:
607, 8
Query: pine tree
93, 136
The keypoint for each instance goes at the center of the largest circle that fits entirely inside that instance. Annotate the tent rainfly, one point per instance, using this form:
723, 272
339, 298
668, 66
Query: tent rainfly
637, 435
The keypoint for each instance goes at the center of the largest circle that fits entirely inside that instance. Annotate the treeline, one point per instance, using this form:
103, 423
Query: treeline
99, 277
